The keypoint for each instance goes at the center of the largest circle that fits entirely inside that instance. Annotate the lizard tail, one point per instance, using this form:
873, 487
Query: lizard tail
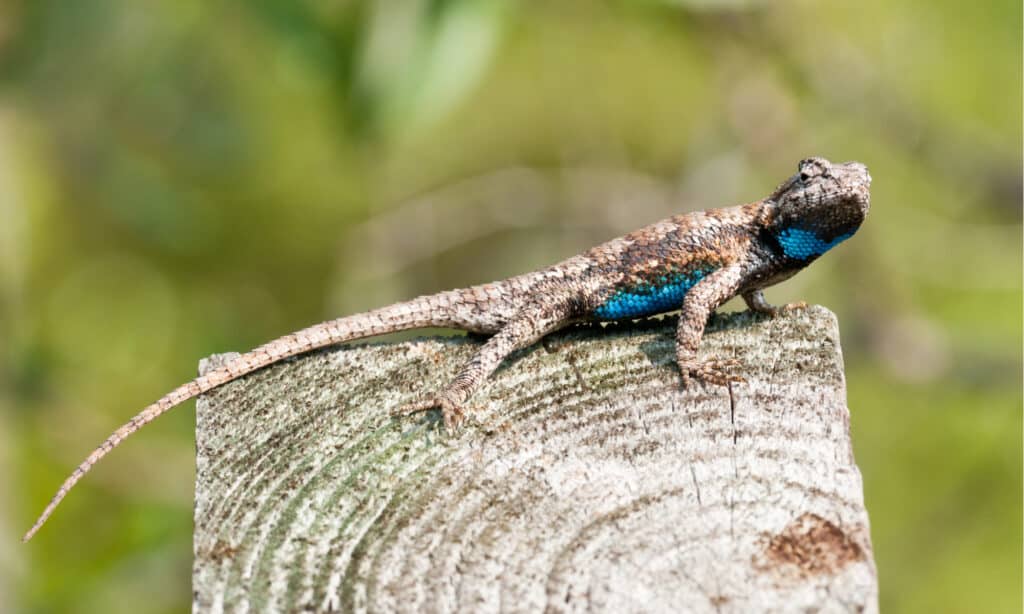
417, 313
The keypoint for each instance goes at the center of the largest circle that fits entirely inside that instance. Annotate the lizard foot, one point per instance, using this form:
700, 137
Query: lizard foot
453, 414
797, 306
787, 308
775, 310
711, 371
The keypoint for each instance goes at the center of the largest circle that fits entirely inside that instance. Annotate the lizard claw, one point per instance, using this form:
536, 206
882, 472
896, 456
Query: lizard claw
453, 414
712, 371
788, 307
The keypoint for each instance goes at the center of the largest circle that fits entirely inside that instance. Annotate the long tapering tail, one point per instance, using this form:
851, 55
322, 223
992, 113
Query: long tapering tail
417, 313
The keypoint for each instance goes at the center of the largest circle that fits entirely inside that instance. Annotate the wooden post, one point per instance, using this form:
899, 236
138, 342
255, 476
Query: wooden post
585, 480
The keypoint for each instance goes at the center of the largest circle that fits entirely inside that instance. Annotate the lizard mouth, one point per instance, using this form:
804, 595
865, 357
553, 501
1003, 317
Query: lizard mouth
865, 193
856, 176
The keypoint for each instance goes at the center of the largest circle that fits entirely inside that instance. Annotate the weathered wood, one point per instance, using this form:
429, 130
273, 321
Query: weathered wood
589, 481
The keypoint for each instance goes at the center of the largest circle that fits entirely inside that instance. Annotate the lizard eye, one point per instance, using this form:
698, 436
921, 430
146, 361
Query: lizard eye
813, 167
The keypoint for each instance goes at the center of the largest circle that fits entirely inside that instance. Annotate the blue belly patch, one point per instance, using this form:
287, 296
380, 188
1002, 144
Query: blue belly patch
803, 244
645, 299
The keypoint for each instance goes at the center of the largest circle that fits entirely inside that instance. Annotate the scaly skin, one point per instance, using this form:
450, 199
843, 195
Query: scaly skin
692, 263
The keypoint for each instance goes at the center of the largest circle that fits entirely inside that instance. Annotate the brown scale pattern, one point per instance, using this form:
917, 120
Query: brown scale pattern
739, 242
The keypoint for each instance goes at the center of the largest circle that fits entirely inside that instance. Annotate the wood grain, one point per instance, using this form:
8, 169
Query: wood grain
585, 480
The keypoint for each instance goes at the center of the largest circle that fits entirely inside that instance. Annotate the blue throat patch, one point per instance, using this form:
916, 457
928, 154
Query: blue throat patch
645, 299
803, 244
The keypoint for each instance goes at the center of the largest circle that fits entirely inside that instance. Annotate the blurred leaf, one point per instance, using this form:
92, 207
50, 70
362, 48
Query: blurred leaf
179, 178
422, 57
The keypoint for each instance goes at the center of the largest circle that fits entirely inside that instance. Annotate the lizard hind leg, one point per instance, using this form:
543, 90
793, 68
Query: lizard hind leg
527, 327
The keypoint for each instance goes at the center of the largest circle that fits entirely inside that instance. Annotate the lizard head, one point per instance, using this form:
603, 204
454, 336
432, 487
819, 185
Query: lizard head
819, 207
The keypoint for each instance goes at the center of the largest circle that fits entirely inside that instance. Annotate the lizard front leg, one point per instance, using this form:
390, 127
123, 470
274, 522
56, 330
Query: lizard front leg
698, 304
528, 326
756, 301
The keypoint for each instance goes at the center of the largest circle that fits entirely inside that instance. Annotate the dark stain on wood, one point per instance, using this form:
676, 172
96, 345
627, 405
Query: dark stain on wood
809, 546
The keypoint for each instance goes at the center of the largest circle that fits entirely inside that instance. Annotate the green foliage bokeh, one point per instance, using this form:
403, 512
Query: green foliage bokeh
184, 178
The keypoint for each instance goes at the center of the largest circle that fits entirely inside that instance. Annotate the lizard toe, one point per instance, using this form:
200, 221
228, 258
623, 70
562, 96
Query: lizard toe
454, 416
715, 371
413, 408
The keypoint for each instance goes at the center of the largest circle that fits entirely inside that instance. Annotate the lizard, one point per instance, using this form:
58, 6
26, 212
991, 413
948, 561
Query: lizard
692, 263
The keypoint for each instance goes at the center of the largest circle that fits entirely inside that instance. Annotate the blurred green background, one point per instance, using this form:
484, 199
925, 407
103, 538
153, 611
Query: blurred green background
190, 177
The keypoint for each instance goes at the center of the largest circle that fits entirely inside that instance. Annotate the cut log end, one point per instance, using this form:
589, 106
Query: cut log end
585, 479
